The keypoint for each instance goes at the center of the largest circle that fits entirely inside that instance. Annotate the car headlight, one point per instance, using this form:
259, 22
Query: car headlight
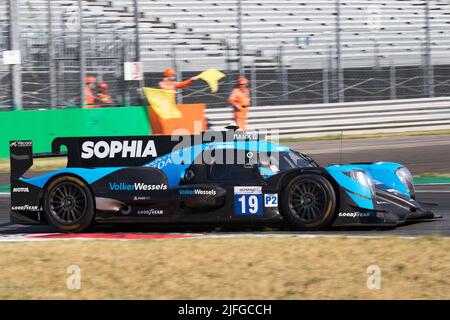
406, 178
363, 178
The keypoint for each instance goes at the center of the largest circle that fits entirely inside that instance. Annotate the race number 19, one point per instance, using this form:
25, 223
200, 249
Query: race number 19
249, 204
248, 201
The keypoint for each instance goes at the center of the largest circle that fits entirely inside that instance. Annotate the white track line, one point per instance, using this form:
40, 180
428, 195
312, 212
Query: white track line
294, 235
433, 184
432, 191
23, 238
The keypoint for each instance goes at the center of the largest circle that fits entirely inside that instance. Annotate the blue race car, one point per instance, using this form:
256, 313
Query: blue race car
213, 178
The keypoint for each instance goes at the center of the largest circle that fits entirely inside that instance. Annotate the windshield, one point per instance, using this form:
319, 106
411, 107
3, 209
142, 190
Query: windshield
282, 161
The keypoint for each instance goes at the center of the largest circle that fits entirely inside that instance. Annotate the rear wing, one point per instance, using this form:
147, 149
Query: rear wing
25, 198
21, 157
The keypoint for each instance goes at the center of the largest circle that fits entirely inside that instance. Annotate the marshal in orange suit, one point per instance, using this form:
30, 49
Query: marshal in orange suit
169, 83
240, 101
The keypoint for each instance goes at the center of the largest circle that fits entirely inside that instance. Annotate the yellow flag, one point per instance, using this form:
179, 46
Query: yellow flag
212, 77
163, 102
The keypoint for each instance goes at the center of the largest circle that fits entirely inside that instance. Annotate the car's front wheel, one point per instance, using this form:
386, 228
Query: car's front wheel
69, 204
308, 202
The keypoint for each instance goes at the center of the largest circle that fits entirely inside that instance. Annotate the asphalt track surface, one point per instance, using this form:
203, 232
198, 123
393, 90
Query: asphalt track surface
419, 154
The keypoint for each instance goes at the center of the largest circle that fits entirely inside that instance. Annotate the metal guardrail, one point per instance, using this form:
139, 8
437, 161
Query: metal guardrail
334, 118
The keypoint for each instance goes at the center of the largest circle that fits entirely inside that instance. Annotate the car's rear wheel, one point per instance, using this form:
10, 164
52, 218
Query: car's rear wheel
69, 204
308, 202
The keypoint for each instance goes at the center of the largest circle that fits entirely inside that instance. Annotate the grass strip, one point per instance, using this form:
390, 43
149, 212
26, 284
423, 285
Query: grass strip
228, 268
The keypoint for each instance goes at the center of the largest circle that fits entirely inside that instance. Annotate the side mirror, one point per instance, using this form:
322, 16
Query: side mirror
189, 175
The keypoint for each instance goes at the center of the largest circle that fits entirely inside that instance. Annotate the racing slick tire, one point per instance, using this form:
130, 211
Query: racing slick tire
308, 202
69, 205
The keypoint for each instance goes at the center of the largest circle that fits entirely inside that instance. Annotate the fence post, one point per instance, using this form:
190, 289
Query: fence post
60, 85
326, 93
230, 74
331, 75
138, 45
376, 53
126, 93
226, 45
239, 36
284, 78
340, 75
179, 74
82, 54
136, 32
428, 63
253, 84
51, 57
393, 81
16, 69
